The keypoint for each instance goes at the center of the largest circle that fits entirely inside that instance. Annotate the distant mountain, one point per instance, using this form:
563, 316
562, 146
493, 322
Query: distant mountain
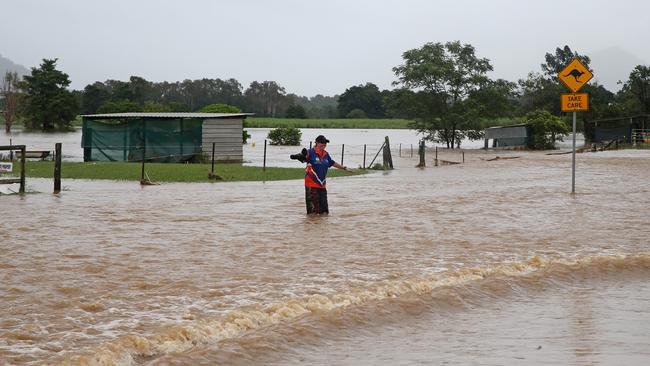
613, 64
8, 65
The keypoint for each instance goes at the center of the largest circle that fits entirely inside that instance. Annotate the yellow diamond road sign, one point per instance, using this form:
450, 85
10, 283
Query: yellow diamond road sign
575, 75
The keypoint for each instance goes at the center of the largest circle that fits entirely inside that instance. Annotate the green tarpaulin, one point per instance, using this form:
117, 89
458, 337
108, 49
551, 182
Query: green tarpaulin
163, 140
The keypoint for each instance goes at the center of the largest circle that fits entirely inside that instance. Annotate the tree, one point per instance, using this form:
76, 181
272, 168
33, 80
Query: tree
638, 85
556, 63
296, 111
542, 91
151, 106
356, 114
119, 106
220, 108
445, 76
48, 103
545, 129
11, 95
93, 97
141, 90
265, 98
367, 98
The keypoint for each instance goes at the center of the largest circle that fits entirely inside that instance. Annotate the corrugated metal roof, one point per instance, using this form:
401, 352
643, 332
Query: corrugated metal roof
166, 115
509, 126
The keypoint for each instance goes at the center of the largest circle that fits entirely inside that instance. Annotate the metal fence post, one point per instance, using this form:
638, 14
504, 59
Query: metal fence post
57, 167
436, 164
264, 163
23, 152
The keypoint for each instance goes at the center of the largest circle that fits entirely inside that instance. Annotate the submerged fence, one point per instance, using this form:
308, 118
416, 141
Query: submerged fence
641, 138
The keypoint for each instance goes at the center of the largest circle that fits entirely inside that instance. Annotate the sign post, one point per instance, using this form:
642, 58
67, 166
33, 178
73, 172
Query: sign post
575, 75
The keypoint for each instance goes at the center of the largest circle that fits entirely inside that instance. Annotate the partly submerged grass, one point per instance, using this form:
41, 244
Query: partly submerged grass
165, 172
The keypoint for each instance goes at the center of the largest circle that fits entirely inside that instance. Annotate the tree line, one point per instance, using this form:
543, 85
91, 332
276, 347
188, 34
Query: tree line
443, 87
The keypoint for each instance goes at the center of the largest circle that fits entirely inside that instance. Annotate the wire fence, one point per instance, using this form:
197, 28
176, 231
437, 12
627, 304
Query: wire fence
253, 154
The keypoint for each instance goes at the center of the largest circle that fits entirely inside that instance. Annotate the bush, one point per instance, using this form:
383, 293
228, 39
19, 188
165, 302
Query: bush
220, 108
285, 136
356, 114
545, 129
119, 106
296, 111
245, 136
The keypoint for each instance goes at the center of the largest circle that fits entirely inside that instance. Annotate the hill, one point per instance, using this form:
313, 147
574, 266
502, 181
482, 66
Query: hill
8, 65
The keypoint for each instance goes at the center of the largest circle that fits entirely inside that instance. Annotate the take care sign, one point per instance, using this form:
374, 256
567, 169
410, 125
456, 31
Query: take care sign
575, 102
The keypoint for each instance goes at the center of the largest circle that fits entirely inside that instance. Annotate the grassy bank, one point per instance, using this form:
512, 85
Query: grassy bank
254, 122
165, 172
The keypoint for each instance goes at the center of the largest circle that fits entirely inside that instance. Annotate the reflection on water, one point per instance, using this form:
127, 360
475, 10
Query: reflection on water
493, 256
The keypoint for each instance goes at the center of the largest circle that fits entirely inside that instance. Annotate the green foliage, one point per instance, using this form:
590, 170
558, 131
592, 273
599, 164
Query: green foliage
93, 97
447, 78
178, 107
296, 111
542, 91
245, 136
285, 136
265, 98
555, 63
48, 103
545, 129
119, 106
356, 114
151, 106
220, 108
638, 86
366, 98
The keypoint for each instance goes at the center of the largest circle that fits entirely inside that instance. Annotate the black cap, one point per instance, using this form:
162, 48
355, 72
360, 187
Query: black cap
322, 139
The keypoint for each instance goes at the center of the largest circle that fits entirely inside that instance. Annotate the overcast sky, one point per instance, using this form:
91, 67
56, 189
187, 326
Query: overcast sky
313, 47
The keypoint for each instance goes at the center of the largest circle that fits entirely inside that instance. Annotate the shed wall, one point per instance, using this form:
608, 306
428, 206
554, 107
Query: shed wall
226, 133
506, 132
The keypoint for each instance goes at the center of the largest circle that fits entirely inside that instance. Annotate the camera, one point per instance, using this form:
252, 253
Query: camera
301, 157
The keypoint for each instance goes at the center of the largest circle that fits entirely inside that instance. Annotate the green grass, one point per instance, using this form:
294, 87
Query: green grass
255, 122
159, 172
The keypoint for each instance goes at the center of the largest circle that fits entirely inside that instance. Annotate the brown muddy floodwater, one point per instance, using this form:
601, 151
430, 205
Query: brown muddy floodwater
484, 263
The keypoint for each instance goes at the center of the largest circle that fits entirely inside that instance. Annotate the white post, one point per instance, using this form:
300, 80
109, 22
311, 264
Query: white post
573, 170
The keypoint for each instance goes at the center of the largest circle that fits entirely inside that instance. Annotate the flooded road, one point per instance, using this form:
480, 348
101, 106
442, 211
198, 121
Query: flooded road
478, 263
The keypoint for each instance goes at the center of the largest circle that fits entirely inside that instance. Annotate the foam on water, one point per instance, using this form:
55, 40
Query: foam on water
130, 350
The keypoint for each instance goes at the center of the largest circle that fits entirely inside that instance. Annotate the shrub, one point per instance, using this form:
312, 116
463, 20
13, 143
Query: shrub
285, 136
119, 106
296, 111
220, 108
356, 113
545, 129
245, 136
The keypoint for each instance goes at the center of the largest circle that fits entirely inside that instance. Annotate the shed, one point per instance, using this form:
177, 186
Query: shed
163, 137
622, 128
503, 136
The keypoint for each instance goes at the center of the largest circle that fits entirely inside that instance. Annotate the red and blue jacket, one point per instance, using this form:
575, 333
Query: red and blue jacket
317, 165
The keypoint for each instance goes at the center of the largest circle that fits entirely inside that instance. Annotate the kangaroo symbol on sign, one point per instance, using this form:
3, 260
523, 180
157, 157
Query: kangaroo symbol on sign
576, 74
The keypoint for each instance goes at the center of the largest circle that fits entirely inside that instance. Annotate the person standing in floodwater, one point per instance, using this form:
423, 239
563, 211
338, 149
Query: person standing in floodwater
318, 162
